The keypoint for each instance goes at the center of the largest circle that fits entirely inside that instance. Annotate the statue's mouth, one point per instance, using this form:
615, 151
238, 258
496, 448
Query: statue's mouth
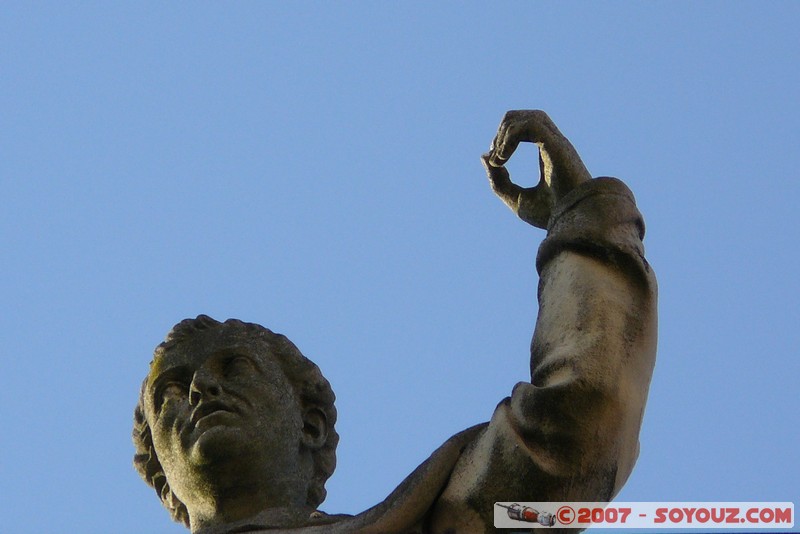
208, 409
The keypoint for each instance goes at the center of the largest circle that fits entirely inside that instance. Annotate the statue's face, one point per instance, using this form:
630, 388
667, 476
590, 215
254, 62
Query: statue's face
221, 401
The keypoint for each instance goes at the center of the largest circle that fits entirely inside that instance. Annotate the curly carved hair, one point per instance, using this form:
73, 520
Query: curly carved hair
312, 390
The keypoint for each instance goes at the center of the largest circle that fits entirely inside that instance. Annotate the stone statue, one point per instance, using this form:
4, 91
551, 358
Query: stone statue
235, 427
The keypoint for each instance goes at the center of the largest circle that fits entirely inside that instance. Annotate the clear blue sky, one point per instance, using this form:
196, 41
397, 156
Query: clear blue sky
314, 167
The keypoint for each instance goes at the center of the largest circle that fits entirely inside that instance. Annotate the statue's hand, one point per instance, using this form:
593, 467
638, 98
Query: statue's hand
532, 205
560, 166
531, 126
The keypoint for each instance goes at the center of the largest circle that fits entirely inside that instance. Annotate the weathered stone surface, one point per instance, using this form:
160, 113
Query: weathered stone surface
235, 427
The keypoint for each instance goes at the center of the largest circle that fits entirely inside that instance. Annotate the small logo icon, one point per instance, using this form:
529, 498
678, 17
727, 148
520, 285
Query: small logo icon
529, 515
565, 515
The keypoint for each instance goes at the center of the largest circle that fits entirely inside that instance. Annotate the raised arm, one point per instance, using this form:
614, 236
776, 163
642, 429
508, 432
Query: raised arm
571, 432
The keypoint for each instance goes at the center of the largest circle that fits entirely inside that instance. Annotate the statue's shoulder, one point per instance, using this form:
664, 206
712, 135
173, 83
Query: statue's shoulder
406, 509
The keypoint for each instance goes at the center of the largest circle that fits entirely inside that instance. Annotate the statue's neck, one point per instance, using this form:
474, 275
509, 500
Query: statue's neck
271, 518
282, 504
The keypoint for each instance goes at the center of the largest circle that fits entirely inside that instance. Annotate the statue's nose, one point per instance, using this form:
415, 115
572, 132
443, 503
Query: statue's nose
204, 386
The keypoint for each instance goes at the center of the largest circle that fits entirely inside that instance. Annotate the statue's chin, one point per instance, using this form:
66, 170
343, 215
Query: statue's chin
218, 443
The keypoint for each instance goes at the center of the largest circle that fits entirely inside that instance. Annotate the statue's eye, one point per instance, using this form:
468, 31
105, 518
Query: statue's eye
171, 391
237, 364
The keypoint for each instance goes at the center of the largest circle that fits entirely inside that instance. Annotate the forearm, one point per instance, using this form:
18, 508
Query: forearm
593, 350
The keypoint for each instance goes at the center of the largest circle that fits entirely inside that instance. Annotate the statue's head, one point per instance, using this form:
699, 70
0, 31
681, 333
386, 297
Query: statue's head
229, 402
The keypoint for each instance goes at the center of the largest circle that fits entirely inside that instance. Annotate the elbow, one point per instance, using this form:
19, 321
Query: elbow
576, 430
